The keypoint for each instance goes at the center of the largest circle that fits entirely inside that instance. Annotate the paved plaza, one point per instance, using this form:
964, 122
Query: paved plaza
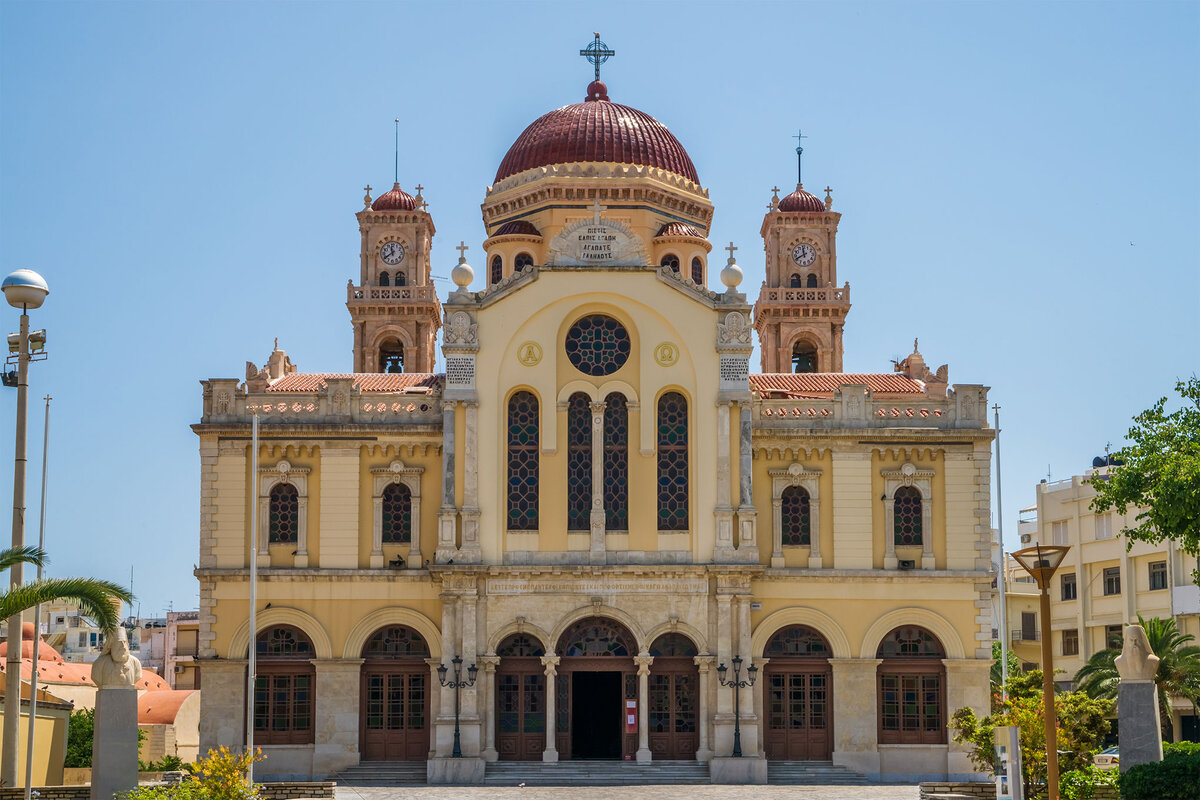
631, 792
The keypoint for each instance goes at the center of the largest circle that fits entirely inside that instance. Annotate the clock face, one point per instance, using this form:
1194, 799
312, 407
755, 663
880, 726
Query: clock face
803, 254
392, 252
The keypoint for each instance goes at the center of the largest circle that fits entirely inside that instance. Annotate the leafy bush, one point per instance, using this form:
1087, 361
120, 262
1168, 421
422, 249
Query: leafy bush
165, 764
1176, 777
220, 775
1080, 784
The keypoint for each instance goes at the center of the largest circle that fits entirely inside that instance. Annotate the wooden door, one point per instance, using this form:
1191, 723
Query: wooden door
672, 716
799, 706
520, 709
395, 712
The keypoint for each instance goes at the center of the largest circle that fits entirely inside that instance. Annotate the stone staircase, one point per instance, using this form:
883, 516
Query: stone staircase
595, 773
383, 773
812, 773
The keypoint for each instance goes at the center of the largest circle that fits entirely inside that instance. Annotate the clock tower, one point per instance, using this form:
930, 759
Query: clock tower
801, 309
395, 310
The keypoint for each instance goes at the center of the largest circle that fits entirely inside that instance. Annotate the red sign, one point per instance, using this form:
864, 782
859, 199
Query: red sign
631, 716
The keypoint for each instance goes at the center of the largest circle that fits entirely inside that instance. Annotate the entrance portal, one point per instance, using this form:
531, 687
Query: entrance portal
596, 715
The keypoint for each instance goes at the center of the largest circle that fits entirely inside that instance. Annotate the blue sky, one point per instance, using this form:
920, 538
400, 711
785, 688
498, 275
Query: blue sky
1018, 184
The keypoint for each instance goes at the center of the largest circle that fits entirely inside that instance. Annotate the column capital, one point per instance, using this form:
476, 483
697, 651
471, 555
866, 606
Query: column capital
704, 662
489, 662
336, 664
855, 662
551, 665
598, 407
449, 405
643, 663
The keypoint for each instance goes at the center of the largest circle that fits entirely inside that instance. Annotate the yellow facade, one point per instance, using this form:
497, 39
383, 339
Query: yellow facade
692, 583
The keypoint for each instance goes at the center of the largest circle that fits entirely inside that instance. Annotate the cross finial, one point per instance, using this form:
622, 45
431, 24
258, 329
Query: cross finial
367, 196
462, 250
596, 208
731, 248
419, 188
597, 52
799, 137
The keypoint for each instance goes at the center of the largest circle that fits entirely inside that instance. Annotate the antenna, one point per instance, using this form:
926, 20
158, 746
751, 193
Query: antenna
396, 170
799, 137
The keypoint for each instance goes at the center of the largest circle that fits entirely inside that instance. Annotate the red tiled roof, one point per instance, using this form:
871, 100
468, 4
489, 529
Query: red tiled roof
160, 708
816, 385
365, 381
597, 130
801, 200
520, 226
678, 229
395, 200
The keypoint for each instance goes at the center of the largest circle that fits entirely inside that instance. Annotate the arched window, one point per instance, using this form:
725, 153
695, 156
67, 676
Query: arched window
522, 260
797, 641
521, 645
796, 516
812, 280
798, 695
671, 645
906, 507
804, 357
400, 279
579, 462
397, 514
796, 282
383, 279
391, 357
697, 270
670, 260
497, 270
912, 688
523, 462
283, 686
672, 462
396, 641
284, 512
596, 636
616, 462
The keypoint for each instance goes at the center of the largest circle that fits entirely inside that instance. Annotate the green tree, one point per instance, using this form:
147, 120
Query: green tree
94, 597
81, 729
1159, 474
1014, 668
1082, 726
1178, 672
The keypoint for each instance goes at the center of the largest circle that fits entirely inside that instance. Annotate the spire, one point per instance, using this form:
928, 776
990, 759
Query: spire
597, 52
799, 157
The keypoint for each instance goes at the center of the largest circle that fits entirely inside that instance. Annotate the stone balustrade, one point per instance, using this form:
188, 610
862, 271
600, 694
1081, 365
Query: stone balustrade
862, 410
387, 293
836, 295
338, 401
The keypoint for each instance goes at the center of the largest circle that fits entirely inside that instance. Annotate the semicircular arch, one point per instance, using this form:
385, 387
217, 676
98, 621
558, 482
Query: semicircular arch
239, 643
392, 332
571, 387
801, 615
933, 622
583, 612
697, 638
392, 615
620, 387
511, 628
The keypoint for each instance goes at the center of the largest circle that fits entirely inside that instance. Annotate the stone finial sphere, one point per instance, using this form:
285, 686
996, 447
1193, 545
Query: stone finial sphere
731, 275
462, 274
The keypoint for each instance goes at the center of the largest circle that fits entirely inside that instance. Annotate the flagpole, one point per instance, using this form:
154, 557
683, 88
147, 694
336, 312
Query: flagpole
250, 680
37, 615
1002, 577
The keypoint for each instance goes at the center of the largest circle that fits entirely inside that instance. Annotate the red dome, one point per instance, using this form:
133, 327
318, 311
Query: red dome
597, 130
801, 200
395, 200
678, 229
520, 227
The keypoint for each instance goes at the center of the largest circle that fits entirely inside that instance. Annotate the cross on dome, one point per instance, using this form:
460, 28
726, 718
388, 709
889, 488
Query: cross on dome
462, 250
731, 248
597, 52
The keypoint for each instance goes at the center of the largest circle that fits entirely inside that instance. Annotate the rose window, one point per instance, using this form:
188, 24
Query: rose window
598, 345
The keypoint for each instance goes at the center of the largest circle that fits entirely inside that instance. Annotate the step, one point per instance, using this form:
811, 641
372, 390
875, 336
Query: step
799, 773
595, 773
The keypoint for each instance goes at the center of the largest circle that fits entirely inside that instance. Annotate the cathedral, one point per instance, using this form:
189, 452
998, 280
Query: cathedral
597, 534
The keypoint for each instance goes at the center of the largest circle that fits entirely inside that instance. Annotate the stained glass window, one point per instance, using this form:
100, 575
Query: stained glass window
697, 271
598, 345
579, 462
596, 636
396, 641
672, 462
797, 641
796, 516
397, 514
906, 507
523, 462
522, 260
670, 260
283, 641
284, 514
497, 270
909, 641
673, 644
616, 462
520, 645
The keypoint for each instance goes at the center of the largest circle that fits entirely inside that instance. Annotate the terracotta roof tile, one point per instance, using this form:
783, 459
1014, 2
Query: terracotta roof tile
801, 200
395, 200
818, 385
517, 227
678, 229
365, 381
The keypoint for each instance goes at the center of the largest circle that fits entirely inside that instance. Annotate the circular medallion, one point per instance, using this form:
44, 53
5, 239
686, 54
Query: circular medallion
529, 353
666, 354
598, 345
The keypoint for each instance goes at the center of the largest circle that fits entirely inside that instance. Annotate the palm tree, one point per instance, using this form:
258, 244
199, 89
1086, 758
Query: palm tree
94, 597
1178, 672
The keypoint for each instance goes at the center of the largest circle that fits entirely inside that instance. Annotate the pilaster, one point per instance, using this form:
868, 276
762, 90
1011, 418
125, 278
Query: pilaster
336, 714
856, 732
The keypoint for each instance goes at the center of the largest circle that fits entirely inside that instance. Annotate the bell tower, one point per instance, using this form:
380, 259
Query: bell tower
801, 310
395, 309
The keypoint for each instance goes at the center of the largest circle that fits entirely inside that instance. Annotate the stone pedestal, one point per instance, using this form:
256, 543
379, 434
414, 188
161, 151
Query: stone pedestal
465, 771
729, 770
115, 745
1141, 726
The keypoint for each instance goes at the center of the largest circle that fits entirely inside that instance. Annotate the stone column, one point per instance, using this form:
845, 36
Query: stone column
487, 665
471, 548
777, 531
889, 533
597, 545
444, 720
551, 665
748, 710
927, 560
705, 665
643, 663
968, 682
336, 714
447, 544
723, 717
441, 745
856, 714
469, 699
723, 508
223, 703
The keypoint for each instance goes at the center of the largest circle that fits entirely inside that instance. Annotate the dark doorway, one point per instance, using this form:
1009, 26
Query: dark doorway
596, 715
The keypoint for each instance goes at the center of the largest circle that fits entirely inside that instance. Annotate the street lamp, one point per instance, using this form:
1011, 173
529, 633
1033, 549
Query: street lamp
458, 684
23, 289
738, 684
1041, 561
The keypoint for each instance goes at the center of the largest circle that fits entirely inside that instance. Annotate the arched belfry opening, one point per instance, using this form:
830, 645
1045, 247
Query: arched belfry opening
391, 357
804, 357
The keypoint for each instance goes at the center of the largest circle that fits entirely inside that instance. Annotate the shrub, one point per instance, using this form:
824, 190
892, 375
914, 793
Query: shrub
220, 775
165, 764
1080, 784
1176, 777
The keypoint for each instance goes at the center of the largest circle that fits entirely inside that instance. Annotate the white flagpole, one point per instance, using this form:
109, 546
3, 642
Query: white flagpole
37, 615
1002, 576
250, 680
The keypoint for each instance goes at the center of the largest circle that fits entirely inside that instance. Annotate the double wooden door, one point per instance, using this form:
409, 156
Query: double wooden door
395, 711
520, 709
673, 712
799, 704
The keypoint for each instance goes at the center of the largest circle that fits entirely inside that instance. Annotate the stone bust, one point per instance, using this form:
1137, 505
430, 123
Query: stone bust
1137, 661
116, 666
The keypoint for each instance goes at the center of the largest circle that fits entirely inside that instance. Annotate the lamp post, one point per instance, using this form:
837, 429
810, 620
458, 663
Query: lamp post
738, 684
23, 289
1041, 561
458, 684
